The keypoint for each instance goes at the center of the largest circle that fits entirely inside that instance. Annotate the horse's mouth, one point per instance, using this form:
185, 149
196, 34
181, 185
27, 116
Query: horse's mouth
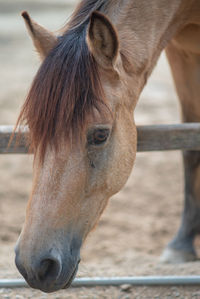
67, 285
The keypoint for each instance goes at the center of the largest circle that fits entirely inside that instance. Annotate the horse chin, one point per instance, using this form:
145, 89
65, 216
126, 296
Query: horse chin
68, 284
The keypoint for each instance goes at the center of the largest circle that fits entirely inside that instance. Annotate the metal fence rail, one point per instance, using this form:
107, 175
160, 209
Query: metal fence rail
116, 281
150, 138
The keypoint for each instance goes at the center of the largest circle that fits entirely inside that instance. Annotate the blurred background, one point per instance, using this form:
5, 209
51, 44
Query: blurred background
141, 219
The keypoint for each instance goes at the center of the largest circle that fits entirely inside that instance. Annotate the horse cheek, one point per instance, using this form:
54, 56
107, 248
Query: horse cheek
123, 155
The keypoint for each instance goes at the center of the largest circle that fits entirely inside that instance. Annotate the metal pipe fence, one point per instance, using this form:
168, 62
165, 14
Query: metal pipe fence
116, 281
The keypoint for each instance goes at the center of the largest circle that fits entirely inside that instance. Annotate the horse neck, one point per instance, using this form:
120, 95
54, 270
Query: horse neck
144, 29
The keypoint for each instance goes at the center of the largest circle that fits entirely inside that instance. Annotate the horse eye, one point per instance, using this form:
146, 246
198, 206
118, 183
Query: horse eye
98, 136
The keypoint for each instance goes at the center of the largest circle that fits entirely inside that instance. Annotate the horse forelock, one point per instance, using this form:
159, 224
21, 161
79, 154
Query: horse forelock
65, 91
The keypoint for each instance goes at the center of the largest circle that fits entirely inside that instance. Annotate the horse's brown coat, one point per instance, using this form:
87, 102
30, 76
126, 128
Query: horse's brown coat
116, 56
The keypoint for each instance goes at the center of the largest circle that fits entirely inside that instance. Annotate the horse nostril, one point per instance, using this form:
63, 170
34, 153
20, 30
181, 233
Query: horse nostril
49, 269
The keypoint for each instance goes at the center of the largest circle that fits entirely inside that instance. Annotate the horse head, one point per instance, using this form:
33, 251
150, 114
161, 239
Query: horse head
80, 115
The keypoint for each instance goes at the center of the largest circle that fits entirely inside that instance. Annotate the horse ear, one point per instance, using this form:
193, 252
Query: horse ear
102, 40
43, 39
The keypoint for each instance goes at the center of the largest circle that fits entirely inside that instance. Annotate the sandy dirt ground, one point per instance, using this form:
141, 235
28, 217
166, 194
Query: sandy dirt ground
139, 221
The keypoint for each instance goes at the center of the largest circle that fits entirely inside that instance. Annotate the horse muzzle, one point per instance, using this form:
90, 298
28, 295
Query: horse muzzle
50, 270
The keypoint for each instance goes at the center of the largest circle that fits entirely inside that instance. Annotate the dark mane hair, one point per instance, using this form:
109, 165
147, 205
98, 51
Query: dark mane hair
66, 88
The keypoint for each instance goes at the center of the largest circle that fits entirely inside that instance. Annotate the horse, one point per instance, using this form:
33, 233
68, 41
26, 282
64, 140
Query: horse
80, 115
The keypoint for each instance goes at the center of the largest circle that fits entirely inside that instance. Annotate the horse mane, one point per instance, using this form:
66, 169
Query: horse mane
66, 88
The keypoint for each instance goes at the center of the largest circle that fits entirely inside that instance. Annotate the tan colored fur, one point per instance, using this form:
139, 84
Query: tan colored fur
66, 193
43, 39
